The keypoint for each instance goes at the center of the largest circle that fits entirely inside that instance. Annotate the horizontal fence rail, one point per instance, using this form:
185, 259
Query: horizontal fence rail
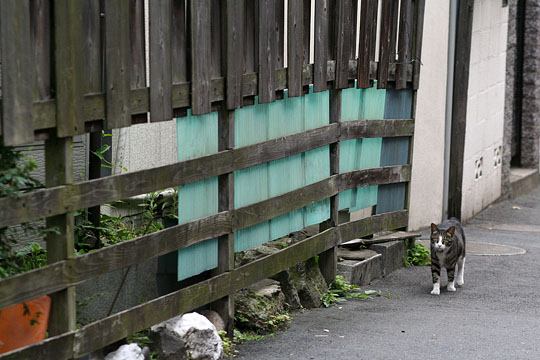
58, 200
70, 272
116, 327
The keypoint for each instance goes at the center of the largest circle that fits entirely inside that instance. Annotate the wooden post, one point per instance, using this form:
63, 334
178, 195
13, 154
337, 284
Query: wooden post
225, 306
459, 105
328, 259
60, 243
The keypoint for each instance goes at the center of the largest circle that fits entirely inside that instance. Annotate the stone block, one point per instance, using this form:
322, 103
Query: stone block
392, 255
361, 272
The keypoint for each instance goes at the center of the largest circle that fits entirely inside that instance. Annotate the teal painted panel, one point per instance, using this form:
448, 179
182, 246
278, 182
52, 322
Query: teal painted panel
251, 184
316, 161
262, 122
198, 199
360, 104
285, 118
395, 151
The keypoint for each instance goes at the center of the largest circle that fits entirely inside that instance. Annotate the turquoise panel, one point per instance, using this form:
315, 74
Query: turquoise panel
360, 104
395, 151
316, 161
197, 136
262, 122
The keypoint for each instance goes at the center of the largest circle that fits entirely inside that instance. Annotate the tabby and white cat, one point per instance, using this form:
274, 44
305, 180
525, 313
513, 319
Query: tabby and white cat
448, 251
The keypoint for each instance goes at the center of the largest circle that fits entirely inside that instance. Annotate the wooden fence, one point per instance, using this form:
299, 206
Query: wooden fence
73, 66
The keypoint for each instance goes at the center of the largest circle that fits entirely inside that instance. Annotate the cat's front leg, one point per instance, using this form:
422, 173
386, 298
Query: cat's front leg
436, 276
451, 285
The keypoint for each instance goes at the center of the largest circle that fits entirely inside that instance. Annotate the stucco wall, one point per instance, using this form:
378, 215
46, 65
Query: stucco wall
485, 107
426, 192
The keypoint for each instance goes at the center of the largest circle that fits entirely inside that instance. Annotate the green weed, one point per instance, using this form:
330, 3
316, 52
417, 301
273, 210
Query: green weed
418, 255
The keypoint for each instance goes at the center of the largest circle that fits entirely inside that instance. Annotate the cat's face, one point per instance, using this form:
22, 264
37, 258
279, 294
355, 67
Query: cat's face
441, 239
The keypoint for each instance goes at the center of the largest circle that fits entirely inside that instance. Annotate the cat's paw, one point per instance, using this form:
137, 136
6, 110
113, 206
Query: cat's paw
460, 282
451, 287
435, 292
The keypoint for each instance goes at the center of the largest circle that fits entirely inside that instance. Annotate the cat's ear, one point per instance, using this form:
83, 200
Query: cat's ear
434, 228
451, 231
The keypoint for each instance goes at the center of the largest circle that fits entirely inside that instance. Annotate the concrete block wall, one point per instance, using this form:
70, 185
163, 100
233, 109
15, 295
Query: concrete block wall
485, 107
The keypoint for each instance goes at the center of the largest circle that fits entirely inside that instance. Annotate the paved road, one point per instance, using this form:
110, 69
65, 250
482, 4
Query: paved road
495, 316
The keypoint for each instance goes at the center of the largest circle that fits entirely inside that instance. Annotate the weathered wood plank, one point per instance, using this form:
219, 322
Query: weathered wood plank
17, 80
56, 200
280, 34
321, 45
160, 60
420, 6
44, 112
61, 244
200, 55
404, 43
69, 71
225, 306
389, 8
67, 273
138, 56
41, 43
376, 128
266, 50
234, 29
295, 46
117, 64
368, 226
103, 332
366, 42
343, 42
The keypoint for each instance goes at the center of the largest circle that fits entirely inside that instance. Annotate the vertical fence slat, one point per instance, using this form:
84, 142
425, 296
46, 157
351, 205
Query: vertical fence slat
216, 38
234, 28
117, 64
179, 42
418, 31
160, 60
404, 44
69, 67
138, 52
366, 42
92, 47
60, 244
280, 33
295, 46
200, 55
343, 44
389, 8
41, 42
267, 50
251, 38
307, 30
321, 45
17, 80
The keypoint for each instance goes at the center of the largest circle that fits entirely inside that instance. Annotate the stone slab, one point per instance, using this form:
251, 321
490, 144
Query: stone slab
392, 255
361, 272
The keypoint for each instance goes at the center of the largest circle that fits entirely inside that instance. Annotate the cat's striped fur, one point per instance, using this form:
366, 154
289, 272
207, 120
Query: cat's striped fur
448, 251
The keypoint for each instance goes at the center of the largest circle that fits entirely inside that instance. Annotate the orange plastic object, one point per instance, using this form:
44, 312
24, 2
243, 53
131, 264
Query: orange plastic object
24, 324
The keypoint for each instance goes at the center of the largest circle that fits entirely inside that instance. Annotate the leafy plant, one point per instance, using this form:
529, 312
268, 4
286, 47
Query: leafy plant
228, 344
15, 178
418, 255
243, 336
341, 290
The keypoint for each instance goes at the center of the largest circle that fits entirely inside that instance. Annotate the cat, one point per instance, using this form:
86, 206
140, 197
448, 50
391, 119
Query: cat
448, 251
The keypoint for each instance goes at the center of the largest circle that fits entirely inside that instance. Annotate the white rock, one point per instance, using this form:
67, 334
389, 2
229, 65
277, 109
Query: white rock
126, 352
190, 336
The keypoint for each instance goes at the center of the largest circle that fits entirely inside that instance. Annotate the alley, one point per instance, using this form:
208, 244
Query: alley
495, 316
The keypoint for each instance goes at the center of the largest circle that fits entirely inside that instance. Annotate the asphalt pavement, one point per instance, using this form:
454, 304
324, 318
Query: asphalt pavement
496, 315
